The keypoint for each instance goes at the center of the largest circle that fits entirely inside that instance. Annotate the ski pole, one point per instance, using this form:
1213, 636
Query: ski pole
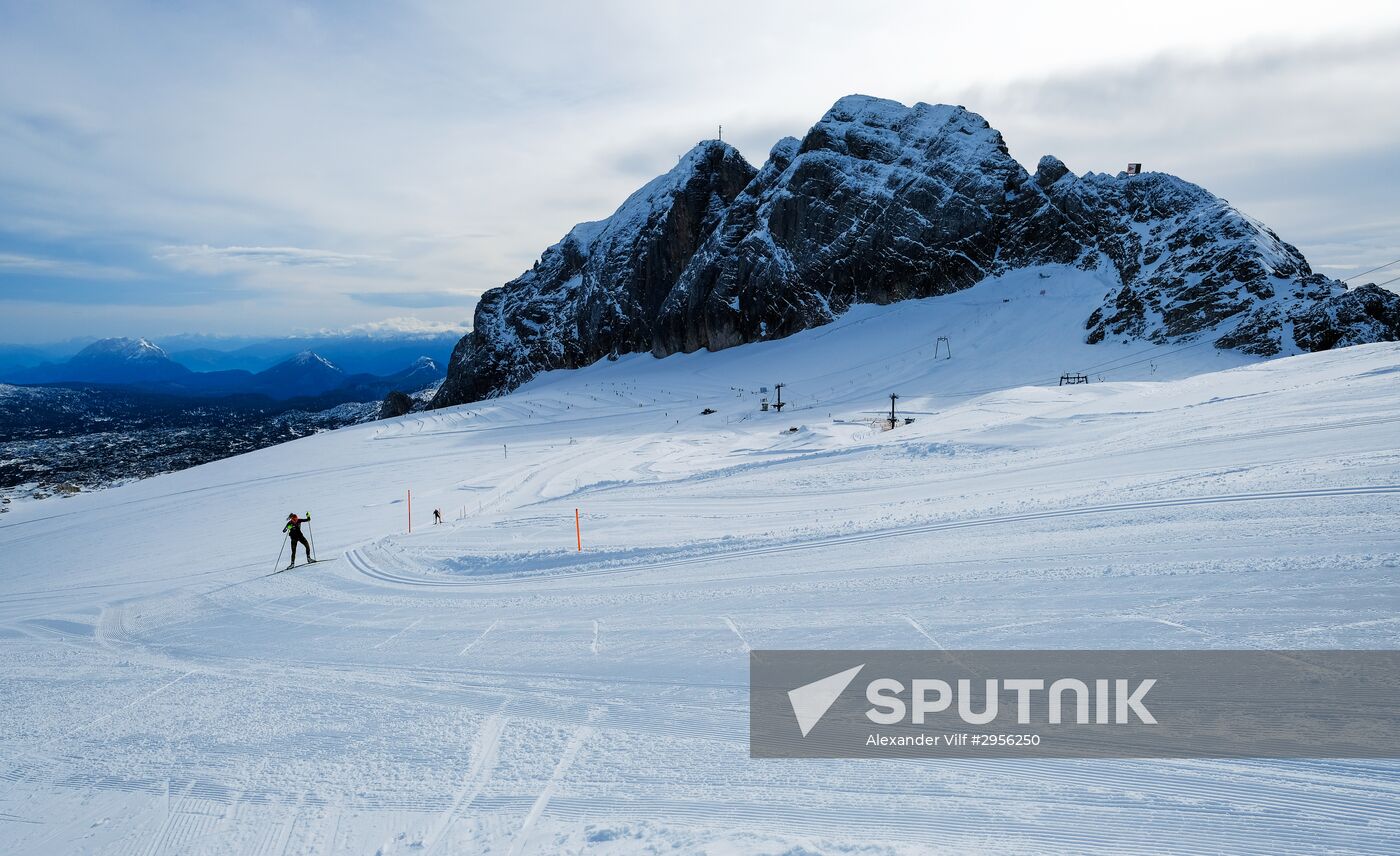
278, 563
312, 536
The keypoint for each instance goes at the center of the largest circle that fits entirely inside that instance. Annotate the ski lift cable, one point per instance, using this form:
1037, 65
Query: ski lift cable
1372, 270
1155, 356
1105, 367
1108, 365
1151, 354
1389, 281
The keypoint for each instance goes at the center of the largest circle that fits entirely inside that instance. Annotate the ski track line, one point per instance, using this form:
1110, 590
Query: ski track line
309, 602
565, 761
919, 627
881, 534
160, 841
485, 751
400, 633
71, 589
366, 568
472, 644
732, 626
63, 638
1283, 655
160, 689
939, 645
1171, 624
335, 830
14, 818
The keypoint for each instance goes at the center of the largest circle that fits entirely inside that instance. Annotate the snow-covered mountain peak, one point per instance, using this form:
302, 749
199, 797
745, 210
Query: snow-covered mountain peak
657, 194
885, 131
881, 202
421, 368
595, 292
1049, 170
112, 361
125, 348
308, 373
785, 149
311, 358
919, 120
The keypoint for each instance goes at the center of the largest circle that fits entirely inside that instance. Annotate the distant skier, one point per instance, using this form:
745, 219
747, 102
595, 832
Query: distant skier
293, 530
437, 516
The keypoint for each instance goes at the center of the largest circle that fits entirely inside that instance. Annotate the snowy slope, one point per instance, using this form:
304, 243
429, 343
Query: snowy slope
481, 686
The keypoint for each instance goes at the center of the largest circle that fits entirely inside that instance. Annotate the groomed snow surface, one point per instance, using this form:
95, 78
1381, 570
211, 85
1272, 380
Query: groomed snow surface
480, 686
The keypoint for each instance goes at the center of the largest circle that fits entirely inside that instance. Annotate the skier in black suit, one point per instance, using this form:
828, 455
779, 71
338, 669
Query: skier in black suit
293, 530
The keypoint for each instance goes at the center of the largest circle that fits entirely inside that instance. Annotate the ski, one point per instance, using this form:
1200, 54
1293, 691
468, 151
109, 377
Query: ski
302, 565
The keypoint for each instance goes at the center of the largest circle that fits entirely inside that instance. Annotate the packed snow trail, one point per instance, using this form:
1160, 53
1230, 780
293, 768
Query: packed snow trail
482, 686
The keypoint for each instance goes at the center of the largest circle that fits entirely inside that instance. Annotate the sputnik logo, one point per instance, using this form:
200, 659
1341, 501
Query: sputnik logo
810, 702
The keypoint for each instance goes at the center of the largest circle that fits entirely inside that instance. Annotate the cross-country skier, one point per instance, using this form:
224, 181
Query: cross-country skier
437, 516
293, 530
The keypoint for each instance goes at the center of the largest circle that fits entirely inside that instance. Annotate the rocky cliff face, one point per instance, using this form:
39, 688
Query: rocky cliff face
1189, 263
597, 292
880, 202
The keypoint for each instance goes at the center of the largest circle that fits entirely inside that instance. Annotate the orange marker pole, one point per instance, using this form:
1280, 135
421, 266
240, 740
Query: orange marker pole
410, 512
578, 532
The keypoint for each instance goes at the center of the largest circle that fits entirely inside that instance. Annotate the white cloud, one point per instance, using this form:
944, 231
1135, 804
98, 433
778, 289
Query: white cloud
70, 268
207, 259
399, 326
1289, 132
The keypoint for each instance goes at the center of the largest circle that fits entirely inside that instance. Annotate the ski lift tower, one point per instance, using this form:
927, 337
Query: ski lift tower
778, 388
893, 397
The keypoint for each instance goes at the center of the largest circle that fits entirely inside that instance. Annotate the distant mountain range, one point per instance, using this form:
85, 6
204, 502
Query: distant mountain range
354, 351
144, 365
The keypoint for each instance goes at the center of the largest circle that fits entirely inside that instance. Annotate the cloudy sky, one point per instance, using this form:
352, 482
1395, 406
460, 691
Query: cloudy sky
265, 167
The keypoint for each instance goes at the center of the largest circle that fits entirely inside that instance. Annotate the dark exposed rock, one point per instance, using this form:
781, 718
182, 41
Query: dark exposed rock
396, 403
1362, 315
1190, 263
1050, 170
878, 203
